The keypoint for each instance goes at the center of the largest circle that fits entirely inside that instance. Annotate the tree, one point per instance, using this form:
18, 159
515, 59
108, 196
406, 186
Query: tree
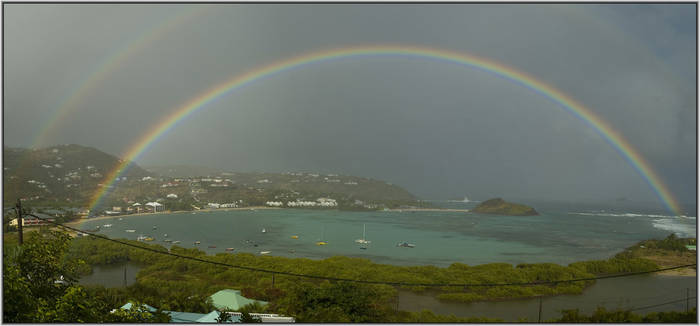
224, 317
39, 286
246, 318
337, 302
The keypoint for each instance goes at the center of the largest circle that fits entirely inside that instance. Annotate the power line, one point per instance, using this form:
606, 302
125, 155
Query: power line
661, 304
254, 269
615, 299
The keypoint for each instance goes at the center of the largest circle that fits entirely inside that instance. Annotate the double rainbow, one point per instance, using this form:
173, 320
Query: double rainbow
562, 100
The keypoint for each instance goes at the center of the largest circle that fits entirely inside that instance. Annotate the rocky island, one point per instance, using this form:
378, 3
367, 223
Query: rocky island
501, 207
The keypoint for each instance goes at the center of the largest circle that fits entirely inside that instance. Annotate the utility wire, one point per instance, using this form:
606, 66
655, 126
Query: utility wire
661, 304
254, 269
617, 299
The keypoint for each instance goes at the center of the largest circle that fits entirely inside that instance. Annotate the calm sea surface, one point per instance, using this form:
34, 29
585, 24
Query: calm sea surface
561, 234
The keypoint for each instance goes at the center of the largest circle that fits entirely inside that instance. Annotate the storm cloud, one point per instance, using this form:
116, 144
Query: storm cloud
438, 129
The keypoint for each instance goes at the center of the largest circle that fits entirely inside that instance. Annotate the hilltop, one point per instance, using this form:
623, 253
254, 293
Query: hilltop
501, 207
63, 173
69, 175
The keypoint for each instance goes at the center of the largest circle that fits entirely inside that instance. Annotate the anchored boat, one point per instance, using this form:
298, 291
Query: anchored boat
405, 245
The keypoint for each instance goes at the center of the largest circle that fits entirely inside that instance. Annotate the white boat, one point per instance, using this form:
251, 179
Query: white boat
176, 241
263, 230
130, 231
120, 218
264, 252
107, 225
405, 245
363, 240
141, 238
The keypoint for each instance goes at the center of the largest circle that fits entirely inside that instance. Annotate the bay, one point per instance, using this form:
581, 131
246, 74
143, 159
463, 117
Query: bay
440, 238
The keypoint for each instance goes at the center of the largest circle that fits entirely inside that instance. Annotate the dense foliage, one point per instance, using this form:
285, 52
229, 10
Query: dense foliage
39, 285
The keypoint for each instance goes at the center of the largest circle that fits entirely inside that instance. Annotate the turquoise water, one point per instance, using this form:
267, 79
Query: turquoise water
441, 238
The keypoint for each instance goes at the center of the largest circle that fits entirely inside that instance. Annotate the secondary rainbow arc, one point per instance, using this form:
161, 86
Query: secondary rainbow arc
108, 65
611, 136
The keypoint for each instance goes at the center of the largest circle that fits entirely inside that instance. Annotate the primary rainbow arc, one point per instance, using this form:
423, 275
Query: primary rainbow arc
584, 114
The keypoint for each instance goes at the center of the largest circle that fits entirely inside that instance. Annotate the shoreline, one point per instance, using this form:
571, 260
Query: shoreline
461, 210
79, 221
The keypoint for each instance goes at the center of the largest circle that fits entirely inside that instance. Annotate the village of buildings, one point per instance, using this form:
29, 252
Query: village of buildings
65, 183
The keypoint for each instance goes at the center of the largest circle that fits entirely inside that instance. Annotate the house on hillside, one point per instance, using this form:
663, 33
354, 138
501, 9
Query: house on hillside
191, 317
31, 221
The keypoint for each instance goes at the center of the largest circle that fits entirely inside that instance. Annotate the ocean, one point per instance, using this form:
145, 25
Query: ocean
561, 234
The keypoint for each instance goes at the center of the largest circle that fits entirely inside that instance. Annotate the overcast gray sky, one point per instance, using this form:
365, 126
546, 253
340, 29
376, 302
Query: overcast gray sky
438, 129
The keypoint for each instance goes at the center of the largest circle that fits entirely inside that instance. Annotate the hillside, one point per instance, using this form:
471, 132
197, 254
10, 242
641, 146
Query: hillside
501, 207
69, 175
182, 171
64, 173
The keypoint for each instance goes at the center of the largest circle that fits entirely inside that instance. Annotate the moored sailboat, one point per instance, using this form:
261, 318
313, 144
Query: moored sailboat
363, 240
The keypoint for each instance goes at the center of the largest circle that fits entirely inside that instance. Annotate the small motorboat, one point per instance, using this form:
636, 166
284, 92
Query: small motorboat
264, 252
263, 230
130, 231
291, 251
229, 249
295, 237
405, 245
176, 241
321, 243
211, 247
197, 242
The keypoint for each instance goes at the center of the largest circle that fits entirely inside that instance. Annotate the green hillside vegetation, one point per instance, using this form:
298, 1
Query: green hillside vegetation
501, 207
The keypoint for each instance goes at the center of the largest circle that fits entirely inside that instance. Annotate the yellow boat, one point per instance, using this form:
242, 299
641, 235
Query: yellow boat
321, 243
148, 239
295, 237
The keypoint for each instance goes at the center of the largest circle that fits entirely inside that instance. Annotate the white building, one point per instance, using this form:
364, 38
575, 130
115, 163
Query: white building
156, 206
